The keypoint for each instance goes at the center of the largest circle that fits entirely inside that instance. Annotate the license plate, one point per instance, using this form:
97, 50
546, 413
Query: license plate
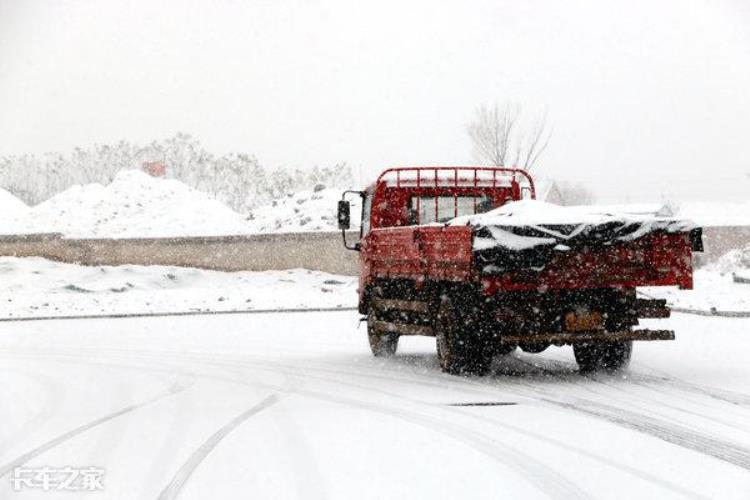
583, 322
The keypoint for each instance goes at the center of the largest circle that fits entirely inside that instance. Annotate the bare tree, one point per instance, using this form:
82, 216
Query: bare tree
491, 132
530, 146
496, 131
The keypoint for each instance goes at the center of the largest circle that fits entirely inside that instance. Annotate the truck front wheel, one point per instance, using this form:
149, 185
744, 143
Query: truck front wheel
608, 356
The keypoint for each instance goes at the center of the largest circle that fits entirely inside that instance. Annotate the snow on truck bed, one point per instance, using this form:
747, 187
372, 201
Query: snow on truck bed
530, 224
538, 213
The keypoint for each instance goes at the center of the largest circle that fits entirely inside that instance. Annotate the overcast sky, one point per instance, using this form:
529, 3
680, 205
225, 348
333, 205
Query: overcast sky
649, 99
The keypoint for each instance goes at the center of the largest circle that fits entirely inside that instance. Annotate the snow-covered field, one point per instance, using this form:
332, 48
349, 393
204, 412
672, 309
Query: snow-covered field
294, 406
33, 287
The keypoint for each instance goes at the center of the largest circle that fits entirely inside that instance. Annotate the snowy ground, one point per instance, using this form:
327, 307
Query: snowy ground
38, 287
711, 290
294, 406
720, 285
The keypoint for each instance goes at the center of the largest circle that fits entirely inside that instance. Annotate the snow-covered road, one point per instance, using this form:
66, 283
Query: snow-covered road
294, 406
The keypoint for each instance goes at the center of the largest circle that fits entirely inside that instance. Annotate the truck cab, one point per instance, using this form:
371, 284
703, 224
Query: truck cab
432, 195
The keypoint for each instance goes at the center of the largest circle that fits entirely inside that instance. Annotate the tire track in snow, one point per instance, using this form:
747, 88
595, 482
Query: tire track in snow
670, 432
543, 477
651, 403
526, 466
478, 441
666, 431
402, 377
731, 397
538, 474
173, 489
35, 452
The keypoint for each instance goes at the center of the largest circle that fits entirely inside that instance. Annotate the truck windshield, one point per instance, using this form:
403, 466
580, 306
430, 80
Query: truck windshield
430, 209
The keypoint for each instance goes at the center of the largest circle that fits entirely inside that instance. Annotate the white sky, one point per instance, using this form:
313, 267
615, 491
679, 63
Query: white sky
649, 99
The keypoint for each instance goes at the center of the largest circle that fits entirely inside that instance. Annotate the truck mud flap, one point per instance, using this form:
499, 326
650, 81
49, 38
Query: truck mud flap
596, 336
402, 328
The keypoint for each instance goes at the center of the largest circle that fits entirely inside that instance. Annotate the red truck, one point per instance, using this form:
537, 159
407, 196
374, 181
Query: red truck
452, 252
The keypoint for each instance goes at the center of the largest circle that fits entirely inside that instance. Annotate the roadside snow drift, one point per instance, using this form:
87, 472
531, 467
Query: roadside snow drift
39, 287
719, 286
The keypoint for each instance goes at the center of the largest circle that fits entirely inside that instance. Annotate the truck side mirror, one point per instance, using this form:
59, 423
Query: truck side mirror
344, 215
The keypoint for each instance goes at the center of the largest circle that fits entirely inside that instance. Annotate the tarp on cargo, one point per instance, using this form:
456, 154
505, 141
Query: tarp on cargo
526, 234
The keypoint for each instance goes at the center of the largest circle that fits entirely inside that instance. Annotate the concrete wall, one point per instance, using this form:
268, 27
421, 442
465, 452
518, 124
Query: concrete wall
321, 251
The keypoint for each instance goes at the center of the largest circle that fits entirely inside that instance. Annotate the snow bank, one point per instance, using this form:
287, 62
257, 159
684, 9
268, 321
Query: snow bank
301, 212
135, 205
15, 214
39, 287
732, 262
711, 290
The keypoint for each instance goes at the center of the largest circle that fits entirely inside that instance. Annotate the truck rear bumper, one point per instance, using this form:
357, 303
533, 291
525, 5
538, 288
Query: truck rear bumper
591, 336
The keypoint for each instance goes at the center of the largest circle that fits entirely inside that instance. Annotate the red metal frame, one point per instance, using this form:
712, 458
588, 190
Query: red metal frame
427, 181
513, 171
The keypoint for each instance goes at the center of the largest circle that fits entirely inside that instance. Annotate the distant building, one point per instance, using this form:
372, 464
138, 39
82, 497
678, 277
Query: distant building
155, 168
547, 190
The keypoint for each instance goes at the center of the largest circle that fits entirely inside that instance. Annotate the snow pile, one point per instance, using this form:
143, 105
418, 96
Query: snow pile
711, 290
135, 205
15, 214
303, 211
734, 261
39, 287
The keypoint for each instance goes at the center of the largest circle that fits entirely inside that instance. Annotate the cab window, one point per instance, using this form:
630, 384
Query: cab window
431, 209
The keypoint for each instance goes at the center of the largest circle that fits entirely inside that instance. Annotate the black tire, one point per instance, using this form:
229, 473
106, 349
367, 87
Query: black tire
382, 345
606, 356
459, 346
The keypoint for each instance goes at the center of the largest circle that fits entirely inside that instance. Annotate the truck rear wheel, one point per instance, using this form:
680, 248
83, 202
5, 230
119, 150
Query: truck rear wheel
607, 356
382, 344
459, 346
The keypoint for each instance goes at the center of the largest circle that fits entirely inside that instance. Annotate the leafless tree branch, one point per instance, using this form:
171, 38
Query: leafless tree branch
495, 137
